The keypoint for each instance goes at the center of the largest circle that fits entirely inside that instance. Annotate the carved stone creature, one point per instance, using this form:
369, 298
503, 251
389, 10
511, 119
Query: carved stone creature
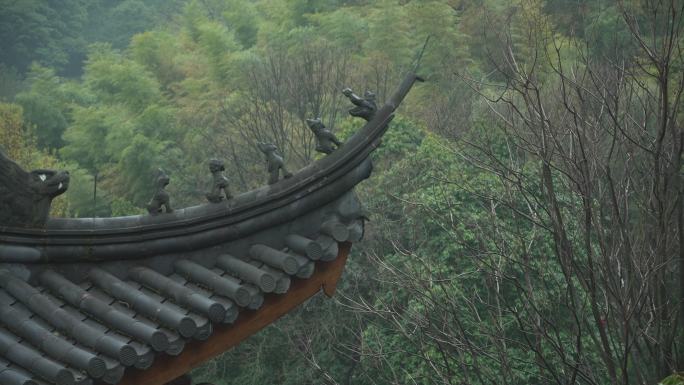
275, 162
365, 106
25, 197
324, 137
219, 189
161, 197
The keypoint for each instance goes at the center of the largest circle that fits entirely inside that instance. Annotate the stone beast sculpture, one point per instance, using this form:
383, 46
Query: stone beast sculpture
219, 185
274, 162
26, 197
161, 200
325, 139
365, 106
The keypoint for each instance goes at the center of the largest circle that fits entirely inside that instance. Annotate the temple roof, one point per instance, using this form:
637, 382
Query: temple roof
95, 326
143, 299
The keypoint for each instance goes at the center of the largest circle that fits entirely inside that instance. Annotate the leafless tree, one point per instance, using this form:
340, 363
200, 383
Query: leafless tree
582, 246
606, 135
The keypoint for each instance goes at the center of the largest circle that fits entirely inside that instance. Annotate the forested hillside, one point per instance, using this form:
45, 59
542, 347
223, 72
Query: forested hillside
526, 208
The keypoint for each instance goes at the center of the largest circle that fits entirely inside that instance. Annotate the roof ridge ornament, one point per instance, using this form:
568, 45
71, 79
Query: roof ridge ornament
26, 196
161, 197
275, 162
325, 139
365, 106
219, 190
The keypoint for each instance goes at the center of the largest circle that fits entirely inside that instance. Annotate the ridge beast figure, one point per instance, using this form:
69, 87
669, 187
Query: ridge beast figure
26, 197
161, 197
274, 161
324, 137
219, 189
365, 106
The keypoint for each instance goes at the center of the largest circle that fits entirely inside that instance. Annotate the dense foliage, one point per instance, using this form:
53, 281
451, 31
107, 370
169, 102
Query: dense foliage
526, 205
